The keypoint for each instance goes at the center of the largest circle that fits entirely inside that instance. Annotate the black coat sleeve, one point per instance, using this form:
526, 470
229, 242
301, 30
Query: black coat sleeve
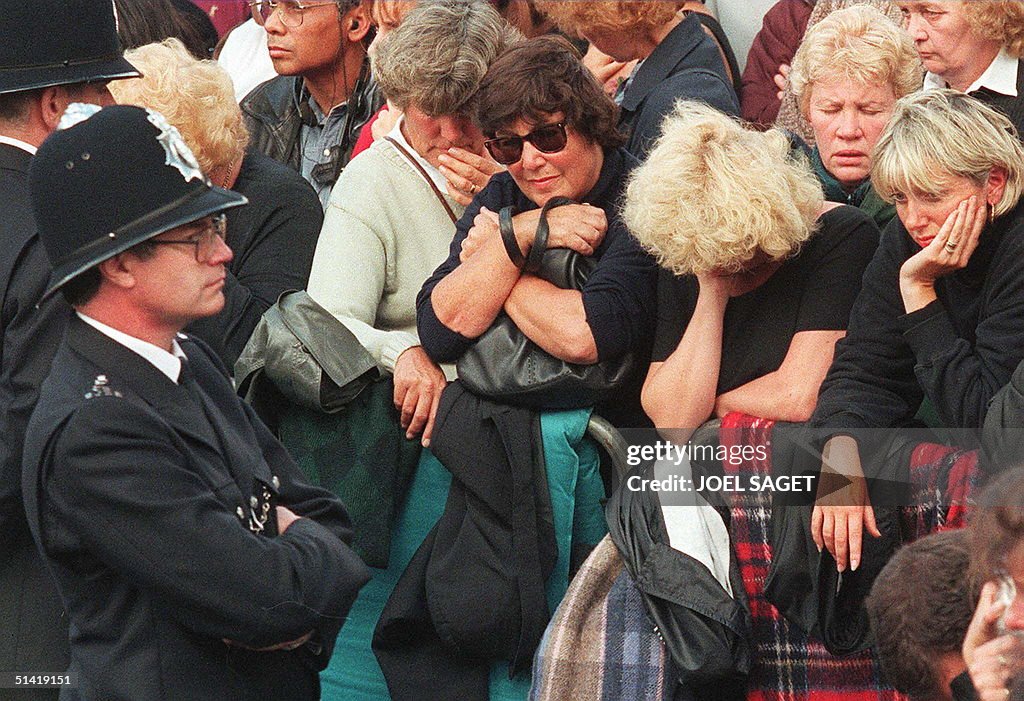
958, 351
29, 341
701, 84
961, 377
871, 382
618, 297
136, 502
441, 343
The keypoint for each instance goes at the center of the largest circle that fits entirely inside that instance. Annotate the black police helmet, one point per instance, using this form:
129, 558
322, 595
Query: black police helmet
108, 179
59, 42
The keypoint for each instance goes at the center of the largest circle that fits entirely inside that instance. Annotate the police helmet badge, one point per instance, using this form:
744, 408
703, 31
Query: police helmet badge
178, 154
75, 113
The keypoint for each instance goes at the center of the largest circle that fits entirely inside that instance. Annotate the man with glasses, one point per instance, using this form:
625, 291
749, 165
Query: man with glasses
53, 52
195, 561
310, 115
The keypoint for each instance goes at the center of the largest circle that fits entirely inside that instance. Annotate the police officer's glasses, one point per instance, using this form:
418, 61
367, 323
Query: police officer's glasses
291, 10
506, 150
206, 242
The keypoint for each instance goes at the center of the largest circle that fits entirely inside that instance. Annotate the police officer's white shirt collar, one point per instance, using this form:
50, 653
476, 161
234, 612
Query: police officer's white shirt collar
17, 143
999, 77
167, 363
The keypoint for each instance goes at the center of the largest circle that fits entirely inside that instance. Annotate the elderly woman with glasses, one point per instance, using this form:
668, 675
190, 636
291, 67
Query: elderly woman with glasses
849, 72
389, 222
973, 47
941, 313
550, 123
273, 237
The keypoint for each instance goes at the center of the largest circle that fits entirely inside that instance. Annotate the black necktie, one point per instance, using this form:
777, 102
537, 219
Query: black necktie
185, 375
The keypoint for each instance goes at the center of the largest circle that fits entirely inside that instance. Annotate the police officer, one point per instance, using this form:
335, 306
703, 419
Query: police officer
194, 560
52, 52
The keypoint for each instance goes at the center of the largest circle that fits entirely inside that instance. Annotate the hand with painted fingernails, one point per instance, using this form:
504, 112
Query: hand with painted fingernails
842, 508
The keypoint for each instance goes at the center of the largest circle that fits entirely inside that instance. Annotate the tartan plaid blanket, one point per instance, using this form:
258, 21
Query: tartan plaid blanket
789, 665
600, 645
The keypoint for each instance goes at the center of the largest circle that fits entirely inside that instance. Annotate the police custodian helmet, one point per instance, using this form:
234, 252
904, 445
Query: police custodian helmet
59, 42
111, 178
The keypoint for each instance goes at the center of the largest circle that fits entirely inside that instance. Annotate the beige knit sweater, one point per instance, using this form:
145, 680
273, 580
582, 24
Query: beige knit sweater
384, 233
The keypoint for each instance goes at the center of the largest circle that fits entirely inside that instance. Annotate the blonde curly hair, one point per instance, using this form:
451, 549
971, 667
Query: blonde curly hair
1002, 20
196, 96
859, 44
626, 16
713, 195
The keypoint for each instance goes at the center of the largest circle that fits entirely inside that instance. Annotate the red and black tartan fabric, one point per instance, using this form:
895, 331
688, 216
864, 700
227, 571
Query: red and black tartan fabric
789, 665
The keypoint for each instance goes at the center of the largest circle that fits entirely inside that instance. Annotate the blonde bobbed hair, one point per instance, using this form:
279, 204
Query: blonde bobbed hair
712, 194
626, 17
196, 96
859, 44
1001, 20
935, 136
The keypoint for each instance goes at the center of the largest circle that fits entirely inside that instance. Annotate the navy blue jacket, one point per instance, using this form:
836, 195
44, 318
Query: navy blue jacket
686, 65
146, 499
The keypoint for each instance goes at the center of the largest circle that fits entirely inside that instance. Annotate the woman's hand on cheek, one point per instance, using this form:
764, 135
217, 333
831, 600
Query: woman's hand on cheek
949, 251
467, 173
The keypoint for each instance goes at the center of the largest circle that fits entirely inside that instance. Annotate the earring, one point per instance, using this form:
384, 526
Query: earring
991, 211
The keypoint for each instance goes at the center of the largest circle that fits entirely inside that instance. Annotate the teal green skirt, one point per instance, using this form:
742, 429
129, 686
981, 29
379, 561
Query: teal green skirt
576, 489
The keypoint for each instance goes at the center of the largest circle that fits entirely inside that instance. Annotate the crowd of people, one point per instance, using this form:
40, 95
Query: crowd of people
522, 214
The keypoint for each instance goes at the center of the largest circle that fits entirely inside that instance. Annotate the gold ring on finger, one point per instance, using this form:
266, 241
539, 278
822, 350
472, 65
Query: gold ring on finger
951, 245
472, 188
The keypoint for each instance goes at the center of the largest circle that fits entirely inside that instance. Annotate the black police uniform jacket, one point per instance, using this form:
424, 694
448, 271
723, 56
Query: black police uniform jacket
33, 631
148, 499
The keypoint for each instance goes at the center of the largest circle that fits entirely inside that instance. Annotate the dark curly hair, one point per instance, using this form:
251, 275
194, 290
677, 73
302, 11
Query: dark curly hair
541, 76
920, 607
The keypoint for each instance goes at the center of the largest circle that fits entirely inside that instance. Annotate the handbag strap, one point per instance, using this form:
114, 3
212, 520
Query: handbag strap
508, 237
540, 238
430, 181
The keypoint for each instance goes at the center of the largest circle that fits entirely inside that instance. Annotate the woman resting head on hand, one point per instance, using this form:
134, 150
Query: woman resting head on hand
758, 272
939, 319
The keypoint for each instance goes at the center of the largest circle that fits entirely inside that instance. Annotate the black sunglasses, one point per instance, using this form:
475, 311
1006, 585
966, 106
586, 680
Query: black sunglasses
506, 150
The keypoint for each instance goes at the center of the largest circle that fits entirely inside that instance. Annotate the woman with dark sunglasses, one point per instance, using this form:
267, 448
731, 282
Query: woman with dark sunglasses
549, 122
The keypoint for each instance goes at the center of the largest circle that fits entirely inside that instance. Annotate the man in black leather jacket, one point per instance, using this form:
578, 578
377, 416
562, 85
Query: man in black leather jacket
309, 116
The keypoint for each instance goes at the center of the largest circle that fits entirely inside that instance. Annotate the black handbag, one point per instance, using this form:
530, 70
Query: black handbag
506, 366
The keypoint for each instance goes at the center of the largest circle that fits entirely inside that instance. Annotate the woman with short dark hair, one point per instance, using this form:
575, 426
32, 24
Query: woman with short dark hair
548, 120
